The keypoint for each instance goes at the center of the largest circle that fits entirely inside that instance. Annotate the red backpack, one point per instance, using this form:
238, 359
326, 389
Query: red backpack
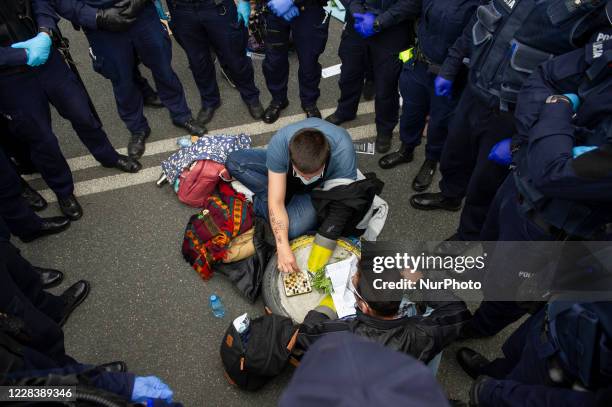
198, 182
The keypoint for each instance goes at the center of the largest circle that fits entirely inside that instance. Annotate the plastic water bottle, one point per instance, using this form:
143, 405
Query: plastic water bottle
217, 306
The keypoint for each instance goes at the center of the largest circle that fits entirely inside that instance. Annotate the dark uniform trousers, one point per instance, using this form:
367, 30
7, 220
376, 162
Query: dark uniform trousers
201, 27
114, 58
22, 296
24, 102
309, 33
16, 213
419, 100
382, 51
466, 170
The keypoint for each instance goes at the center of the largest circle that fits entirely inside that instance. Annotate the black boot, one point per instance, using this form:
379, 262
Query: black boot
312, 111
50, 278
383, 143
136, 146
73, 297
429, 201
32, 197
193, 127
471, 362
425, 176
273, 111
256, 110
402, 156
70, 207
49, 226
206, 114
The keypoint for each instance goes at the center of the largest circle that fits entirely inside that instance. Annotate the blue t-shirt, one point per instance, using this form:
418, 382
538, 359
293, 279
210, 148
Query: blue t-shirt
342, 161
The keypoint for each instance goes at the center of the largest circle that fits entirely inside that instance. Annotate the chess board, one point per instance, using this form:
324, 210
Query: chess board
296, 283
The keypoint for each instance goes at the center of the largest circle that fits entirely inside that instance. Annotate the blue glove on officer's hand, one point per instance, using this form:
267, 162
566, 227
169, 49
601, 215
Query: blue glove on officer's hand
244, 12
150, 387
579, 150
501, 152
364, 24
37, 49
574, 99
280, 7
291, 14
443, 86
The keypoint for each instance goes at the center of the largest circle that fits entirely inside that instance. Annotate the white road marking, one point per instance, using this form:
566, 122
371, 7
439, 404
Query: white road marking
123, 180
167, 145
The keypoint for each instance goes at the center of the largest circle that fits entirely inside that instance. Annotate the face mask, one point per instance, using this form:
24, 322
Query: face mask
308, 181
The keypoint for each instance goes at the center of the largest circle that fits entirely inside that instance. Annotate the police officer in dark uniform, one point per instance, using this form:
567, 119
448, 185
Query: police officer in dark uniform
201, 26
32, 74
439, 25
379, 30
306, 23
558, 357
556, 190
113, 56
507, 42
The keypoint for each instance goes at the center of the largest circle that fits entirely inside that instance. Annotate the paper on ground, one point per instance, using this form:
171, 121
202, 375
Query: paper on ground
340, 273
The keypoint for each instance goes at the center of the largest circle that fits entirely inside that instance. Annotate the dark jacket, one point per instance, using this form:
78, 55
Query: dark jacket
418, 336
340, 209
387, 12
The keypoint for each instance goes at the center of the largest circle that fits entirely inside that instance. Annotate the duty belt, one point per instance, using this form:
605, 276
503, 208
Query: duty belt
421, 57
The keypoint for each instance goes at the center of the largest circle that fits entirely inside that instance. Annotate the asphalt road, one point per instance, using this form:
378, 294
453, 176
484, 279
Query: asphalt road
147, 306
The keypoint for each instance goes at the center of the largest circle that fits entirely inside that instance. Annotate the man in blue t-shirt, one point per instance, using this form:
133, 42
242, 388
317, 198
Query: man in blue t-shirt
299, 158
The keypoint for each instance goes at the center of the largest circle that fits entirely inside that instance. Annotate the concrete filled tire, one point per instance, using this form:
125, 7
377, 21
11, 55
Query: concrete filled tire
298, 306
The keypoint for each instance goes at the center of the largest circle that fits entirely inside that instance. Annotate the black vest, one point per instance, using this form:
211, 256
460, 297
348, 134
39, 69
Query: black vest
17, 22
512, 37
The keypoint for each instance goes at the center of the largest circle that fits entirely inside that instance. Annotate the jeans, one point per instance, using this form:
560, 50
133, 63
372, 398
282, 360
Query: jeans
249, 167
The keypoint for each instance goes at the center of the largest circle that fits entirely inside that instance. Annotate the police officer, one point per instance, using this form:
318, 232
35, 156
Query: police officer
306, 23
440, 23
17, 214
32, 74
377, 29
507, 42
113, 53
201, 26
558, 357
556, 191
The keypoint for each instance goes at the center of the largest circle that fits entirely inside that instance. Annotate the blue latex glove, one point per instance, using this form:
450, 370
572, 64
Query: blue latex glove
577, 151
364, 24
500, 153
443, 87
574, 99
150, 387
291, 14
280, 7
37, 49
244, 12
161, 13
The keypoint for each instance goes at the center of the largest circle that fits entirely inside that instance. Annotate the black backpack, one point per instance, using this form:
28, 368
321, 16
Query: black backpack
270, 342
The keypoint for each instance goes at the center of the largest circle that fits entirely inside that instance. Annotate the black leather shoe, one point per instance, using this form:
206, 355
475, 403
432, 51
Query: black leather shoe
206, 114
73, 297
423, 179
256, 110
136, 146
273, 111
312, 111
471, 362
49, 278
50, 226
153, 101
127, 164
402, 156
429, 201
70, 207
369, 91
383, 143
193, 127
32, 197
335, 119
118, 366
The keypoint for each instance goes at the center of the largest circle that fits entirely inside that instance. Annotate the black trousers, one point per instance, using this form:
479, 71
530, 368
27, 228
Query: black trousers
466, 170
22, 296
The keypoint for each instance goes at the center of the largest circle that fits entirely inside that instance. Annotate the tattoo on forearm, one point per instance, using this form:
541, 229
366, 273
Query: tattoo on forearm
279, 227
